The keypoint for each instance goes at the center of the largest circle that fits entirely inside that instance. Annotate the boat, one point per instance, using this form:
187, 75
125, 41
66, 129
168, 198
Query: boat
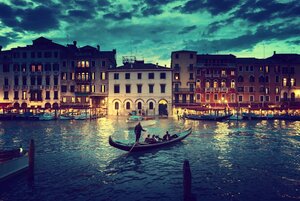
82, 116
134, 118
253, 116
12, 162
235, 117
207, 117
66, 116
146, 146
46, 116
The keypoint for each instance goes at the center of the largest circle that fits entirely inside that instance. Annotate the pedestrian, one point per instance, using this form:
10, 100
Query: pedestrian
138, 130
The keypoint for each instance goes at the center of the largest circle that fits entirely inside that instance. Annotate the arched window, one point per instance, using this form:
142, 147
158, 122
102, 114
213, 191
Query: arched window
240, 79
232, 84
139, 105
151, 106
215, 83
223, 83
293, 82
251, 78
285, 96
207, 84
128, 106
293, 97
117, 105
261, 79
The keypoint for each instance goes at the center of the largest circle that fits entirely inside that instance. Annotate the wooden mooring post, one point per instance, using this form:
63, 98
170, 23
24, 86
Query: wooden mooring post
187, 182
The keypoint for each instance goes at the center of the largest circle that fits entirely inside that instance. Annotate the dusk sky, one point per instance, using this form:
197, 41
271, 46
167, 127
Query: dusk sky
152, 29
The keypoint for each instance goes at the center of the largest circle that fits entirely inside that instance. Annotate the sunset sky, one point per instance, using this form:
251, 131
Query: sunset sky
152, 29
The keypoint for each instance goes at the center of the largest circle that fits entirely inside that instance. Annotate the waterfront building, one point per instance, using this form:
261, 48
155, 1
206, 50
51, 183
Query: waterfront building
183, 64
226, 81
49, 75
141, 87
215, 81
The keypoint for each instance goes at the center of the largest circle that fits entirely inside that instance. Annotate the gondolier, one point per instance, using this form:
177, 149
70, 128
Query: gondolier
138, 130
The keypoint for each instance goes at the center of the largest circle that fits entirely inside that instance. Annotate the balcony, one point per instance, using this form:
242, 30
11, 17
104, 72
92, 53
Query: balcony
216, 75
47, 87
16, 87
6, 87
208, 75
36, 87
55, 88
183, 90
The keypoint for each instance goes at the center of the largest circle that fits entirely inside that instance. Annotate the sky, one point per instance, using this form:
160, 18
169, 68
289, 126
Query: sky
152, 29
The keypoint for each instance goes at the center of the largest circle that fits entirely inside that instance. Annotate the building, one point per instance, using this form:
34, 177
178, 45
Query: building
203, 81
49, 75
141, 87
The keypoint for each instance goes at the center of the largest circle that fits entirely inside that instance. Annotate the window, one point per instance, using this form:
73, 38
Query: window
176, 76
32, 80
162, 88
151, 106
116, 88
24, 95
151, 87
223, 83
55, 80
24, 55
139, 76
16, 81
232, 84
127, 105
261, 79
223, 73
277, 98
277, 79
267, 69
267, 90
251, 98
267, 79
198, 96
47, 95
63, 88
32, 54
5, 95
117, 105
64, 76
55, 95
251, 89
102, 76
191, 87
103, 63
24, 80
284, 82
150, 76
207, 84
16, 95
102, 88
240, 79
176, 56
240, 68
162, 75
39, 80
277, 91
93, 64
55, 67
251, 78
240, 89
261, 98
72, 88
72, 76
116, 76
47, 67
5, 68
232, 73
23, 68
251, 68
215, 97
64, 99
207, 98
128, 88
127, 76
139, 88
293, 82
47, 54
191, 56
215, 84
267, 98
191, 76
139, 105
240, 98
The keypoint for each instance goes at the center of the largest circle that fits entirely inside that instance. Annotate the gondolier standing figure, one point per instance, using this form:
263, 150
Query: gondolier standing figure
138, 130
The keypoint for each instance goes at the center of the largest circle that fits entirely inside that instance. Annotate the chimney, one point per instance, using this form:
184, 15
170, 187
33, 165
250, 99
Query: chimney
156, 65
0, 48
75, 43
274, 52
98, 47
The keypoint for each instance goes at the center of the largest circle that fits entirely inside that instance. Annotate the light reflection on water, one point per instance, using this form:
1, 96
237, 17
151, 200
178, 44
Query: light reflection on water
228, 160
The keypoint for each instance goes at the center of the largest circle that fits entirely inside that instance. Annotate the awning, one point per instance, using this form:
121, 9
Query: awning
5, 105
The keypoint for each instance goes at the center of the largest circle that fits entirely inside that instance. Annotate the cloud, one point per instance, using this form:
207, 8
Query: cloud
80, 14
213, 7
4, 41
154, 10
118, 16
39, 19
187, 29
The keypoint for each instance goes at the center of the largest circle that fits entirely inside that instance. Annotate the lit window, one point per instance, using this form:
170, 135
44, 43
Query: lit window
87, 99
207, 84
277, 90
64, 99
223, 83
78, 99
24, 95
215, 84
73, 99
223, 72
82, 64
284, 82
267, 69
292, 82
232, 73
87, 64
102, 75
102, 88
232, 84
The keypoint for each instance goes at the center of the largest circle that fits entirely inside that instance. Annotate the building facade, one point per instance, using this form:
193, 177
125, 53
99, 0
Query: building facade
49, 75
140, 87
218, 81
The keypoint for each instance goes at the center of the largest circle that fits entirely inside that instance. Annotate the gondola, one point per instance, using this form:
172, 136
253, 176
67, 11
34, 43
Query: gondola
145, 146
207, 117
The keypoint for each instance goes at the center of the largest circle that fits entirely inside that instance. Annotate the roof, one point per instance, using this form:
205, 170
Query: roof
140, 65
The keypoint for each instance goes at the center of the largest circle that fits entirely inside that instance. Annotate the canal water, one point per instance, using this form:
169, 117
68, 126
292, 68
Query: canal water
247, 160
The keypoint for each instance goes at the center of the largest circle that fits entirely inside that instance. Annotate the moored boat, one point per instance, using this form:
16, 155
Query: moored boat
145, 146
12, 162
46, 116
207, 117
